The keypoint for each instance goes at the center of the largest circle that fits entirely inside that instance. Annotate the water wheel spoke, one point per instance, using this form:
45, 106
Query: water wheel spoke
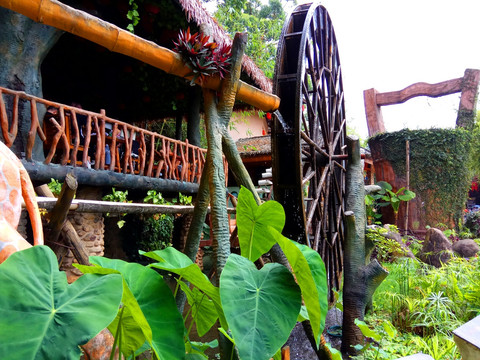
312, 143
316, 195
314, 124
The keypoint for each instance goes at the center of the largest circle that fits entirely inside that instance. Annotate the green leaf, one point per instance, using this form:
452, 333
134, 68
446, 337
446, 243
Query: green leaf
366, 331
310, 273
261, 306
369, 200
41, 316
384, 185
130, 324
253, 224
174, 261
195, 357
278, 355
336, 355
389, 329
303, 315
407, 195
152, 306
203, 312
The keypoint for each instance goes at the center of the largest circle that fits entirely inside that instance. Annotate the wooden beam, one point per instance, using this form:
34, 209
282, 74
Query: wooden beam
467, 85
420, 89
82, 24
42, 173
96, 206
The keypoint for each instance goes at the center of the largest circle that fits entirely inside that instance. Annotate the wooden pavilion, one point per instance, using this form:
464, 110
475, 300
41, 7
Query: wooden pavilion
106, 148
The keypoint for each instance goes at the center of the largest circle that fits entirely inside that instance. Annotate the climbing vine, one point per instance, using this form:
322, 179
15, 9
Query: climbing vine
439, 168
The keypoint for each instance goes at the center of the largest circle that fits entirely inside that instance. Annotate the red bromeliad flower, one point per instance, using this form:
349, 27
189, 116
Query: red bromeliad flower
203, 57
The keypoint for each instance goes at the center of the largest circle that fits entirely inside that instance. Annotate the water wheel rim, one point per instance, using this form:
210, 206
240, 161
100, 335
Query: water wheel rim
312, 121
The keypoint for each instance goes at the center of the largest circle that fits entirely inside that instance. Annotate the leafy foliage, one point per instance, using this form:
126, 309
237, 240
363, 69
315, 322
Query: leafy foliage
204, 58
439, 168
41, 316
55, 186
263, 24
386, 250
133, 15
270, 300
257, 222
148, 312
425, 304
386, 197
256, 305
118, 196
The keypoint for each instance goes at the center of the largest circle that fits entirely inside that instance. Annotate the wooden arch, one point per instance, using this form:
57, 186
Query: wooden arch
466, 85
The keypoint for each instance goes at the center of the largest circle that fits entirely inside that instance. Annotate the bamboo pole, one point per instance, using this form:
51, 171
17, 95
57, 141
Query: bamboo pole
407, 187
82, 24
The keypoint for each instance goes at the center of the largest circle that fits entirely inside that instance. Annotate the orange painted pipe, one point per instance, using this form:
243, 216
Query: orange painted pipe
63, 17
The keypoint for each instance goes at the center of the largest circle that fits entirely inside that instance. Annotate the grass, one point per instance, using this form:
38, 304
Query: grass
425, 305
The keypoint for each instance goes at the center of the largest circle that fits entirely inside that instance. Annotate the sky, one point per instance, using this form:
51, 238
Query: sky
389, 45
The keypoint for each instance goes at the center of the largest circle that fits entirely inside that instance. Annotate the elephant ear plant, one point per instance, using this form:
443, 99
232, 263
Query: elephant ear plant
256, 309
41, 316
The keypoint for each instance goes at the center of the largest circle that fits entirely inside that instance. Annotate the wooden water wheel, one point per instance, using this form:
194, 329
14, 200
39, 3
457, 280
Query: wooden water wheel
308, 137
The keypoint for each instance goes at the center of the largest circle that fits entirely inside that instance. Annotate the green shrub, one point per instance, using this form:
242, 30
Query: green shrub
439, 168
156, 232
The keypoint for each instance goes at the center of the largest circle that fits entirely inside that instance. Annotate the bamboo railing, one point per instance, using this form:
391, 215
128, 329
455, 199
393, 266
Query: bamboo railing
102, 143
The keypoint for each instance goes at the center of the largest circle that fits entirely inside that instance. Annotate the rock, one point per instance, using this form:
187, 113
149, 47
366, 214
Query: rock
466, 248
437, 249
100, 347
300, 347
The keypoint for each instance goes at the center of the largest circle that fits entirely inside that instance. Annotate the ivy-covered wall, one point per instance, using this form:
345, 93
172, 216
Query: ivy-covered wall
439, 172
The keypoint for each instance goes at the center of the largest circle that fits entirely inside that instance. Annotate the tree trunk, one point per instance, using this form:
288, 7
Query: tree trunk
193, 115
23, 45
360, 280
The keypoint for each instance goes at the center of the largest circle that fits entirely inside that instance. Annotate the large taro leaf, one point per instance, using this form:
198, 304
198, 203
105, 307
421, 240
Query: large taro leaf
310, 273
203, 310
130, 327
261, 306
41, 316
151, 305
253, 224
170, 259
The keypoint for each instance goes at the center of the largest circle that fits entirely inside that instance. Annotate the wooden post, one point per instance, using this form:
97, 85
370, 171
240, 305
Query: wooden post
60, 210
407, 168
468, 99
373, 113
70, 235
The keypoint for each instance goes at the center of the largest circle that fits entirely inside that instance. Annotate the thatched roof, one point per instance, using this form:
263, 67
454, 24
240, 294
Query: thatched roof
254, 146
195, 11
